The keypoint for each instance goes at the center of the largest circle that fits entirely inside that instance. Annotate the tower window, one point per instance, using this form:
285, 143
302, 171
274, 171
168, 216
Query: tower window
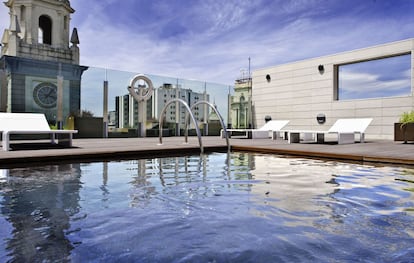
65, 23
45, 30
22, 13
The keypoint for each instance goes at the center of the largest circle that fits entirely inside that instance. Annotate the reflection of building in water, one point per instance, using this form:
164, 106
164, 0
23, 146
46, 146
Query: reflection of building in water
126, 113
241, 103
242, 164
159, 175
38, 206
292, 184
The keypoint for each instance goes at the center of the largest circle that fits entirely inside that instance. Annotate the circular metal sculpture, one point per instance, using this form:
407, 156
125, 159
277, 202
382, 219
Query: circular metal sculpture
141, 91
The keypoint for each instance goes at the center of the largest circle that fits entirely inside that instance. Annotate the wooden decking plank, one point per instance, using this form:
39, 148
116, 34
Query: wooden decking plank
383, 151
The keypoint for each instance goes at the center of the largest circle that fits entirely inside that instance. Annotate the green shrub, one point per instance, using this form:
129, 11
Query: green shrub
407, 117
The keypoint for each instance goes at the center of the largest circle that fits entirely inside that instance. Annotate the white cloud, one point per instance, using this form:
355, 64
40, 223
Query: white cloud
363, 85
211, 40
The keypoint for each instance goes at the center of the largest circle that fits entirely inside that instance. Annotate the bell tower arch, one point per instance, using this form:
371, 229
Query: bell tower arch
45, 30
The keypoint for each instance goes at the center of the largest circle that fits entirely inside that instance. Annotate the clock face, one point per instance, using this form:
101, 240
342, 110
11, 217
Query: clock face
45, 95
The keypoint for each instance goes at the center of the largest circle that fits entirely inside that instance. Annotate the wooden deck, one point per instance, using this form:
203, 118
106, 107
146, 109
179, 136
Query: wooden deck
381, 151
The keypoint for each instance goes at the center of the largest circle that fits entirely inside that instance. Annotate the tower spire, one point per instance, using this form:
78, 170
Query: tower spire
14, 25
74, 39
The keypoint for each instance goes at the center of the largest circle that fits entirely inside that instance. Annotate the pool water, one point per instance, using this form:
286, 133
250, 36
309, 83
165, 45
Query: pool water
237, 207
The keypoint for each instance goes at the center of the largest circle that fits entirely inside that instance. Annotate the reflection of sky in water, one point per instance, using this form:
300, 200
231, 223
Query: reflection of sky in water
375, 78
235, 207
118, 81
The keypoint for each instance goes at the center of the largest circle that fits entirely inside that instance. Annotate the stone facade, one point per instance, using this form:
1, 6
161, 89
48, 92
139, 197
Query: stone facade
36, 54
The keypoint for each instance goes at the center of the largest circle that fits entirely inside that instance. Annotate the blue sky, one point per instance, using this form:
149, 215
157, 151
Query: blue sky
211, 40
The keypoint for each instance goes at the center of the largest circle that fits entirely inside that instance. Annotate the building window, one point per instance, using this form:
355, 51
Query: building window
22, 13
45, 30
377, 78
65, 22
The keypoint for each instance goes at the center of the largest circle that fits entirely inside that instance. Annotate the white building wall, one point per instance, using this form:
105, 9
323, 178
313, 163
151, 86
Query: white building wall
299, 92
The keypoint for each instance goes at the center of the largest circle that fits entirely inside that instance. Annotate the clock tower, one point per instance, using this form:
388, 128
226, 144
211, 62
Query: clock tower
39, 59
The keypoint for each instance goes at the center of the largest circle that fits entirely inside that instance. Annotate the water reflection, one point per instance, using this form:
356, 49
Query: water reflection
40, 217
155, 176
208, 203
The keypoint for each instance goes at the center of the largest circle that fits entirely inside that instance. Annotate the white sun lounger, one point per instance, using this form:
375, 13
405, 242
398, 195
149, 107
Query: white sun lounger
30, 123
270, 129
345, 129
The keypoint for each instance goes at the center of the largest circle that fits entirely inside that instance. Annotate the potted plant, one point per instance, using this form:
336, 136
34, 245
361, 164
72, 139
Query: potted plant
404, 130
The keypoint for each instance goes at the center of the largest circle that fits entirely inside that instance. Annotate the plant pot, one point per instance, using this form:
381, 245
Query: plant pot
88, 127
404, 133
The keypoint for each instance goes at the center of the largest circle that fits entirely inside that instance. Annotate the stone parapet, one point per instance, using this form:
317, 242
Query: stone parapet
45, 52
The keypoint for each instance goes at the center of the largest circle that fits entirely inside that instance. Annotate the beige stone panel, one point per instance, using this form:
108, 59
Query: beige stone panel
321, 99
373, 131
263, 97
317, 79
370, 103
325, 83
356, 56
320, 89
271, 100
398, 101
297, 120
302, 80
301, 87
343, 113
264, 92
323, 91
296, 87
374, 52
284, 102
304, 115
284, 108
388, 131
266, 108
301, 101
301, 108
281, 82
394, 111
340, 105
323, 107
302, 93
368, 113
273, 76
305, 72
389, 120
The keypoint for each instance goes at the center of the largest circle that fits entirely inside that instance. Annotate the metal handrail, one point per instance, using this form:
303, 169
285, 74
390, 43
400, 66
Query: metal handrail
218, 114
186, 119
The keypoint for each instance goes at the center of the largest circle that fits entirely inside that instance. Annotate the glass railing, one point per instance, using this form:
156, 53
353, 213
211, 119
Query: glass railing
123, 111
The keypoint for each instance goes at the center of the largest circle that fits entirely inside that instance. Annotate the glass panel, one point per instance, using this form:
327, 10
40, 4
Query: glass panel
387, 77
123, 110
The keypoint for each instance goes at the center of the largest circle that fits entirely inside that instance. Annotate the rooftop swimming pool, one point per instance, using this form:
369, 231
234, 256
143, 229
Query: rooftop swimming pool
236, 207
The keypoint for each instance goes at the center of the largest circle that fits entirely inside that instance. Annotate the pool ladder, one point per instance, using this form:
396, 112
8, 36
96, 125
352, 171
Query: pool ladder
189, 113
